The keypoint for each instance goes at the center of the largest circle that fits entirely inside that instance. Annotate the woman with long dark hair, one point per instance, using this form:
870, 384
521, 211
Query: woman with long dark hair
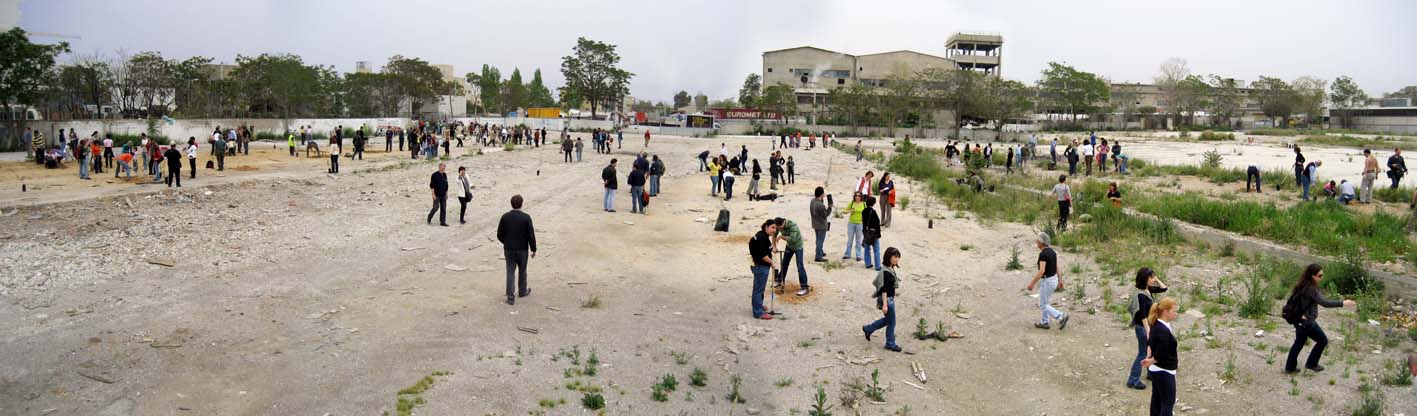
1147, 285
886, 285
1302, 311
753, 184
871, 234
1161, 360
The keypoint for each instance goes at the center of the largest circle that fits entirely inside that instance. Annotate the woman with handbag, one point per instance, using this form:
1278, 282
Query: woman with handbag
1302, 311
871, 234
886, 285
887, 190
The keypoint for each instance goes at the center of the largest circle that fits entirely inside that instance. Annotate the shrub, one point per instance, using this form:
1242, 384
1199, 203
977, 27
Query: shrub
819, 403
593, 401
1212, 159
1014, 263
1211, 136
698, 378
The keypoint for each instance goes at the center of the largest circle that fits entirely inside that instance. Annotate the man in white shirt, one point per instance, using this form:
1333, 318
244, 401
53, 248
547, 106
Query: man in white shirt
1087, 156
1346, 192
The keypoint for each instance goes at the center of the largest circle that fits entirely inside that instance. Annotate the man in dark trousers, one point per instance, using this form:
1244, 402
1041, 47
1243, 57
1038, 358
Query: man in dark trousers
389, 140
1396, 167
518, 239
174, 165
760, 249
820, 210
439, 184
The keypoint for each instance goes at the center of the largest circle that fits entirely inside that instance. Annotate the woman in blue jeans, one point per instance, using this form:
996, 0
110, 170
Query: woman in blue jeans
871, 234
1148, 285
886, 284
853, 226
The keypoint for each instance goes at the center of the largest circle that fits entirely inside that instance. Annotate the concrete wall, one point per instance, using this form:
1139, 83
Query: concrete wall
884, 65
1401, 125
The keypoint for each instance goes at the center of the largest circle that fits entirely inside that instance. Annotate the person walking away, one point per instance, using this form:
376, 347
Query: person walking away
401, 139
788, 230
1087, 155
1009, 161
607, 177
219, 149
439, 184
887, 192
1370, 174
1147, 285
1302, 311
791, 172
1396, 167
566, 147
887, 283
753, 183
108, 151
854, 210
619, 139
714, 177
636, 180
1065, 201
1071, 153
1047, 280
1252, 174
1161, 362
1311, 172
760, 249
656, 171
820, 224
174, 166
580, 145
518, 238
871, 233
334, 154
466, 195
1299, 166
728, 178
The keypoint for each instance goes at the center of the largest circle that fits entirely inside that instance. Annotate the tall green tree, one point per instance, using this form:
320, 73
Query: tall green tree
752, 91
1004, 100
901, 99
489, 86
682, 99
1192, 95
1070, 91
86, 82
1277, 99
852, 104
701, 101
26, 72
282, 85
779, 98
537, 93
1225, 99
1310, 94
1346, 94
592, 72
514, 94
417, 80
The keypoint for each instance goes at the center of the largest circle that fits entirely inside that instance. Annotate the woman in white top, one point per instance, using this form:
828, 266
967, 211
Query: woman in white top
192, 155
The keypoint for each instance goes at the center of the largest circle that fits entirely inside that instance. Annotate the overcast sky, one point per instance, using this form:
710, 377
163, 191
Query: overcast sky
712, 46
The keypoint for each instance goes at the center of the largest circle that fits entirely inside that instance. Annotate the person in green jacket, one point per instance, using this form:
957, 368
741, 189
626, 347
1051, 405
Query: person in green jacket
788, 230
290, 140
853, 226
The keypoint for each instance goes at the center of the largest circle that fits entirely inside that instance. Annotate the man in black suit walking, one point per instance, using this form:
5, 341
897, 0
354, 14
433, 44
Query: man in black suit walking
518, 239
439, 184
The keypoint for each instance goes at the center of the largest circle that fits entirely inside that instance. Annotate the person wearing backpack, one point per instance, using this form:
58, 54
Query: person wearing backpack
1147, 285
886, 285
1302, 311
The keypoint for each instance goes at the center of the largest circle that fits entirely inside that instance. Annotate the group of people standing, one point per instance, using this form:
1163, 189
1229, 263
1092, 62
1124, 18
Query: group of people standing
644, 171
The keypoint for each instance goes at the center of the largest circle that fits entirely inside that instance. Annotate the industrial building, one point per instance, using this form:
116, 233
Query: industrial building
813, 72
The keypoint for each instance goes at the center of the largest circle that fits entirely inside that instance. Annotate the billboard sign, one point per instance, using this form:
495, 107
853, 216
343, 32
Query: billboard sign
743, 114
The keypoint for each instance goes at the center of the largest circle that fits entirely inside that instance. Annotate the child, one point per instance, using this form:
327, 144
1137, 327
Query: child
886, 285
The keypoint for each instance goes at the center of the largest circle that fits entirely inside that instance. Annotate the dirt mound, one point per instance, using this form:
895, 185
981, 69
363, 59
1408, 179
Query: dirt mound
245, 168
735, 239
788, 295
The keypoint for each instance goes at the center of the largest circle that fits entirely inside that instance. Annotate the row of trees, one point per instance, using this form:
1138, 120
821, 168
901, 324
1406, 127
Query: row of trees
499, 96
1300, 101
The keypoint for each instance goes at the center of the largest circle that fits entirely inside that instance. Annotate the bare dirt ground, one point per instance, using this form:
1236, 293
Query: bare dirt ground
286, 291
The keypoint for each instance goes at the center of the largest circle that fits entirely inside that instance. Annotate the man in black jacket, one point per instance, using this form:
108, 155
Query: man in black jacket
174, 165
518, 239
608, 177
439, 184
636, 180
1396, 167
